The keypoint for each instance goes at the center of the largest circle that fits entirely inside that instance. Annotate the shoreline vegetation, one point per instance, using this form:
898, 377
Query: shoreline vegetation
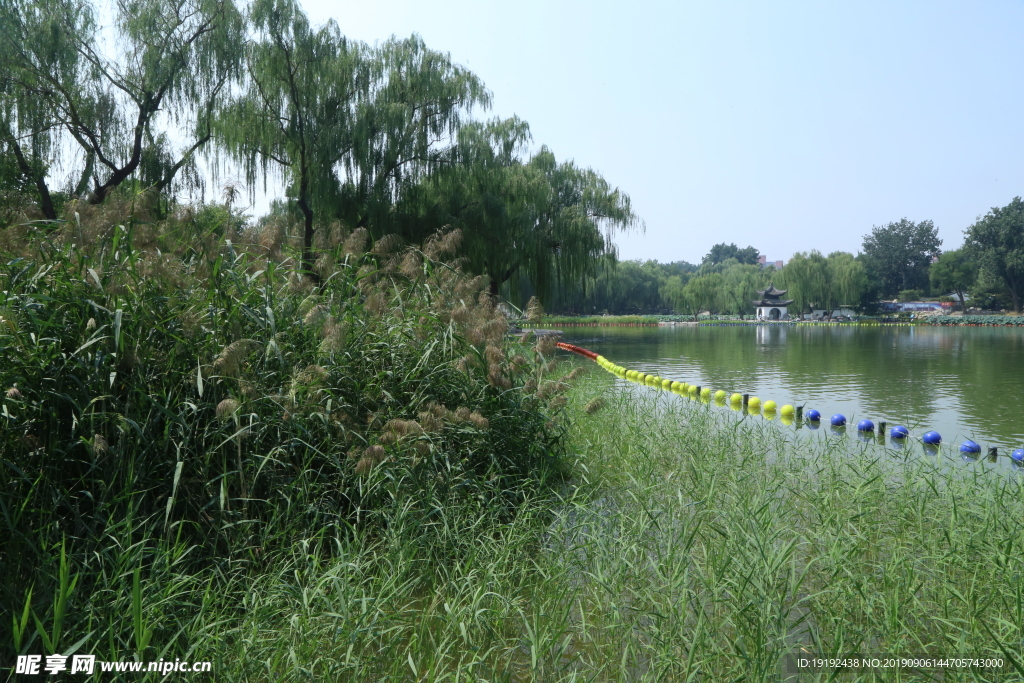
207, 457
185, 415
655, 320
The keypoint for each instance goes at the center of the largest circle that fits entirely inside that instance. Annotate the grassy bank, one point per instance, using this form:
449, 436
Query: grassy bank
680, 552
613, 320
706, 558
206, 458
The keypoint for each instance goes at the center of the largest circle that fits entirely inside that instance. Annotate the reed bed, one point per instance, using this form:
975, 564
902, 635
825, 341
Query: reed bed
186, 418
363, 480
687, 548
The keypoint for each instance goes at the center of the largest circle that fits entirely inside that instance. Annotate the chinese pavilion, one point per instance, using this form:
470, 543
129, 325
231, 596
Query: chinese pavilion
771, 305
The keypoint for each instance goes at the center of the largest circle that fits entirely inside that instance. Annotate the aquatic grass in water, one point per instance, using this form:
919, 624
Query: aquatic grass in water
708, 559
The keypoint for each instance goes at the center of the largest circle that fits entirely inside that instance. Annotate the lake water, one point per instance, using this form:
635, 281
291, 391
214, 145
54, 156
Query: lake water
965, 383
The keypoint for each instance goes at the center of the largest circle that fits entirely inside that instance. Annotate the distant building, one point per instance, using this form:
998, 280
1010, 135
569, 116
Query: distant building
910, 306
762, 260
771, 305
822, 313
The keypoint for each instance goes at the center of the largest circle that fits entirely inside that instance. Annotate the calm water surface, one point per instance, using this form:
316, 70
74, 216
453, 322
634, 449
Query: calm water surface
965, 383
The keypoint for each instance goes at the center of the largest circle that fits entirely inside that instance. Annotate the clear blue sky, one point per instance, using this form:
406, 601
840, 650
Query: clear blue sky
788, 126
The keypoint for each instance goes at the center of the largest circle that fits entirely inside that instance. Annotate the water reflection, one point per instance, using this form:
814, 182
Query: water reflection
960, 382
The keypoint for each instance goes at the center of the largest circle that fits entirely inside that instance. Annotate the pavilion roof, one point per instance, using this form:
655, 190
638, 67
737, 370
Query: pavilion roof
771, 292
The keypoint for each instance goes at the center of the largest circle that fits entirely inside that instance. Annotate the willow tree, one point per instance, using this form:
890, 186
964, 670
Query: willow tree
740, 283
701, 292
817, 281
33, 51
405, 130
169, 65
548, 222
847, 279
294, 117
805, 278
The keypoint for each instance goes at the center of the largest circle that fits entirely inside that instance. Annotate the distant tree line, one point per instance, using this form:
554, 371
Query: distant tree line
900, 261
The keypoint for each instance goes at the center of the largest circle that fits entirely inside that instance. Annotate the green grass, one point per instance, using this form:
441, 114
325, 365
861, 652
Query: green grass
181, 417
625, 536
679, 553
707, 557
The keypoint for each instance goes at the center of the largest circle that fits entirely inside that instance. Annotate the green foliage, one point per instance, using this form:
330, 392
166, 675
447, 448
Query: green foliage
910, 295
173, 60
739, 286
998, 241
304, 89
700, 293
955, 271
723, 252
983, 320
898, 255
201, 409
546, 222
622, 287
815, 281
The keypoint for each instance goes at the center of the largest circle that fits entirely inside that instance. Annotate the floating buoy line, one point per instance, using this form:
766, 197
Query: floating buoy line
788, 414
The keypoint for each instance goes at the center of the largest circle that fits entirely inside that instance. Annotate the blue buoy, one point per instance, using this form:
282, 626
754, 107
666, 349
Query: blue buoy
865, 426
813, 415
899, 432
969, 447
838, 420
932, 438
1018, 456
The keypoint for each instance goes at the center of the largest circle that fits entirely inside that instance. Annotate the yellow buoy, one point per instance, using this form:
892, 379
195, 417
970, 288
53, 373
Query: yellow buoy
754, 402
787, 410
692, 390
705, 392
666, 384
736, 398
720, 395
770, 406
676, 386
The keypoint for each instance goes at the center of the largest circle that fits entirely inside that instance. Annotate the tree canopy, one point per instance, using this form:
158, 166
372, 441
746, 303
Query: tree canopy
898, 255
723, 252
536, 217
955, 271
60, 87
816, 281
997, 239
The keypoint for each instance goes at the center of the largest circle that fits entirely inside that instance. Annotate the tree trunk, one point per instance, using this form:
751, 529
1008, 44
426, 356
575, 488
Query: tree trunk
37, 177
307, 240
